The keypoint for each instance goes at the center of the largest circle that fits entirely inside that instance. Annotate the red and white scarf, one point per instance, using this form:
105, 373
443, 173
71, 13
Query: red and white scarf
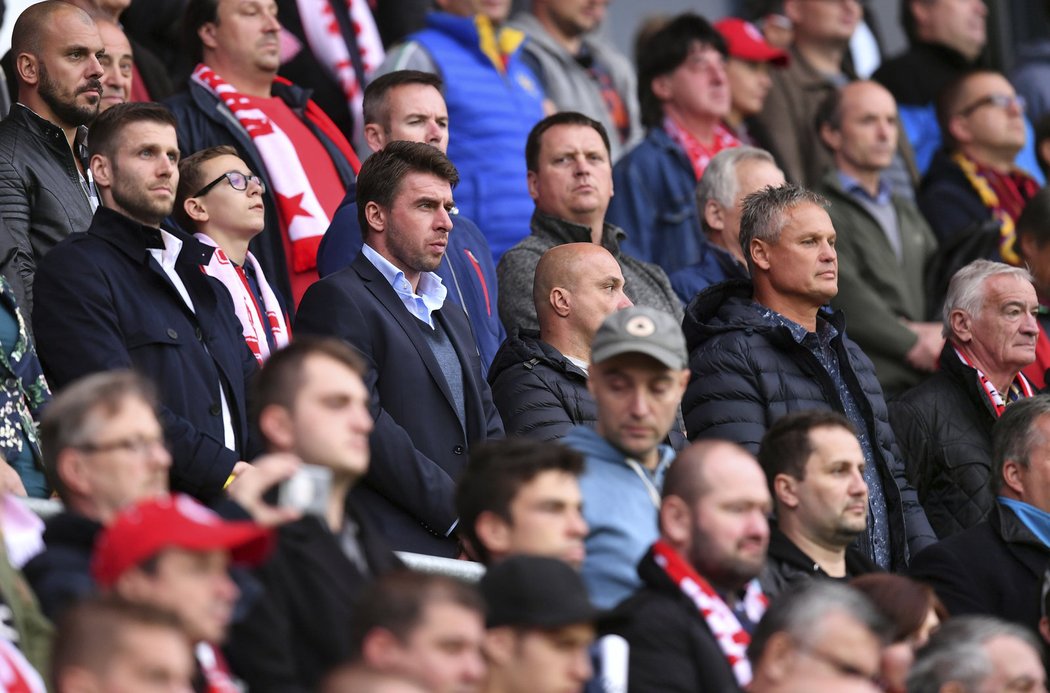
698, 154
291, 185
253, 321
731, 637
216, 672
331, 50
1020, 388
17, 675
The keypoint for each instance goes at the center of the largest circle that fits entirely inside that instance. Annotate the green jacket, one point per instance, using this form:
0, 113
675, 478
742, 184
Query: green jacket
875, 290
34, 630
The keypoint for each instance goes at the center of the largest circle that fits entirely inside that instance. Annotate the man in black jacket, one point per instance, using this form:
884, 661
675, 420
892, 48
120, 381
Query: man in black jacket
944, 425
539, 381
45, 191
311, 402
814, 466
997, 566
688, 626
764, 348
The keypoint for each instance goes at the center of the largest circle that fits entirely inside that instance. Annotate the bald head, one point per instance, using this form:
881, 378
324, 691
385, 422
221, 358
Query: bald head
688, 479
37, 19
576, 286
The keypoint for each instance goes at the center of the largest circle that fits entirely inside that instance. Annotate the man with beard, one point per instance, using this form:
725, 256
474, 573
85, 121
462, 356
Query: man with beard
45, 186
814, 468
689, 625
128, 294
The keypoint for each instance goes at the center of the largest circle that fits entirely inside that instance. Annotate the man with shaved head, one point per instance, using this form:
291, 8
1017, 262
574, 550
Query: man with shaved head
539, 379
45, 188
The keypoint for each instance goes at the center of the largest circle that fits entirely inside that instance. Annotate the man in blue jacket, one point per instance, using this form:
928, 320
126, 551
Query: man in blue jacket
637, 376
408, 105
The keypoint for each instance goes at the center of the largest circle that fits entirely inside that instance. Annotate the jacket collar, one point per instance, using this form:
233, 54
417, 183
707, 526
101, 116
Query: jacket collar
781, 548
48, 131
564, 231
134, 240
1008, 526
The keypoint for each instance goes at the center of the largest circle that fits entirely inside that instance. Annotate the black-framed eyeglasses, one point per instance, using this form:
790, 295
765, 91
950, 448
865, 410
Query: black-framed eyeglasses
997, 100
238, 181
136, 446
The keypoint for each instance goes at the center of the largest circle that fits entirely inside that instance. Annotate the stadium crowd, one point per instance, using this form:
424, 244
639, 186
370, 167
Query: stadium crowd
722, 364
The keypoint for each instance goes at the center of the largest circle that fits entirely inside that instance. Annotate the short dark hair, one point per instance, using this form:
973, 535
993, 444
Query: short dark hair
380, 178
1034, 221
496, 472
34, 20
197, 14
1014, 436
93, 630
787, 444
375, 107
281, 377
535, 139
395, 602
949, 101
191, 179
71, 417
663, 51
108, 127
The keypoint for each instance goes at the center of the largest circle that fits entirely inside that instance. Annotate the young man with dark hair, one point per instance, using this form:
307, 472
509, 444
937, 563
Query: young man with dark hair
426, 626
430, 402
814, 467
517, 496
130, 294
408, 105
310, 402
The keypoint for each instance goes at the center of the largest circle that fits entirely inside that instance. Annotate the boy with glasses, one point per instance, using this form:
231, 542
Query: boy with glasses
226, 212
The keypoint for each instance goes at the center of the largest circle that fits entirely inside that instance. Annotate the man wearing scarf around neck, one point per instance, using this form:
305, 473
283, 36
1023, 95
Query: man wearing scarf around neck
689, 625
996, 567
234, 97
944, 425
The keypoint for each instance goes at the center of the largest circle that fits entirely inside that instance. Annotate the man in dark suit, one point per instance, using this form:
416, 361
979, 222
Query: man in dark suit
429, 399
128, 294
997, 566
310, 401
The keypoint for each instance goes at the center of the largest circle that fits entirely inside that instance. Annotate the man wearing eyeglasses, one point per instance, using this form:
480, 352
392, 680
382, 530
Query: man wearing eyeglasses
973, 178
129, 294
223, 204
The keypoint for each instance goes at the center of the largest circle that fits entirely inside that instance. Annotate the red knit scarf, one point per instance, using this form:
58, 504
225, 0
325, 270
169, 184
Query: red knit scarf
731, 637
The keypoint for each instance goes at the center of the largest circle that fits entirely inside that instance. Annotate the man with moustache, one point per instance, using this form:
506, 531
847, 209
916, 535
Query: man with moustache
45, 189
689, 624
129, 294
814, 468
429, 400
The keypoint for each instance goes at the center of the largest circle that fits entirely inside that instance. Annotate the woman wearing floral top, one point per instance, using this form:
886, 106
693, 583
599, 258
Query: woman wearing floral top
23, 394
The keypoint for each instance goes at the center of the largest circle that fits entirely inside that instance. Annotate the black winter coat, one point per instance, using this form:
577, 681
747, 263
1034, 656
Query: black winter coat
944, 429
539, 393
60, 575
747, 374
672, 650
786, 565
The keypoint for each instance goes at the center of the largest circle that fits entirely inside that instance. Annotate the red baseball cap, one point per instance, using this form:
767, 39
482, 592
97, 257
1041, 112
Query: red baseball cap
745, 42
143, 530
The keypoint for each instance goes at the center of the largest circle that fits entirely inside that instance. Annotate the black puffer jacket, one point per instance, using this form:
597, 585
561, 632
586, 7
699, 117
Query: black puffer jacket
944, 429
41, 198
747, 374
538, 392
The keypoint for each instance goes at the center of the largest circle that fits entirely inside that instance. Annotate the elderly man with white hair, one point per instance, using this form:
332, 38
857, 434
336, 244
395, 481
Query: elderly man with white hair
944, 425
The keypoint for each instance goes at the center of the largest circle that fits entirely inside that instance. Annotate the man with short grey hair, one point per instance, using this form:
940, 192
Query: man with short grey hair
972, 654
760, 349
944, 425
996, 567
732, 175
818, 628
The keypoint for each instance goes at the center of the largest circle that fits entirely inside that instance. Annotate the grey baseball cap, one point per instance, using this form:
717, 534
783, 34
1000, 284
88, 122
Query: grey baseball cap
641, 330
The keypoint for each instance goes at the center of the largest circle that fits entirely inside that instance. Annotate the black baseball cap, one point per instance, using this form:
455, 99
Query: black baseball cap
536, 592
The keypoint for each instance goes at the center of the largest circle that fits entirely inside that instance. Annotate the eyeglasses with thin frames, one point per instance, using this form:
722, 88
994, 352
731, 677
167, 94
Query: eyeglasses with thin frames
237, 180
136, 446
997, 100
